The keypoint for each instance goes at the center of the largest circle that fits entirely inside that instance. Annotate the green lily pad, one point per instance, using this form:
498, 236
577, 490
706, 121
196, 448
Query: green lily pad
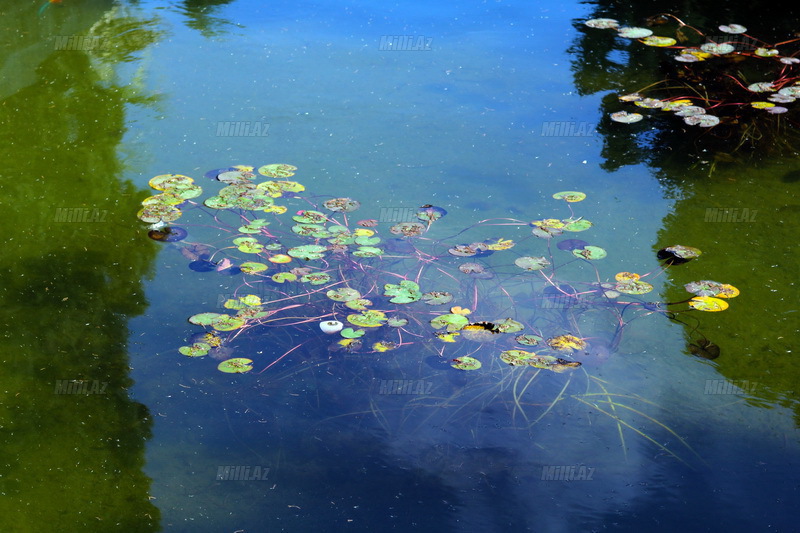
451, 321
319, 278
625, 117
310, 217
634, 33
509, 325
603, 23
277, 170
205, 319
570, 196
197, 349
343, 294
341, 205
281, 277
237, 365
549, 362
515, 357
307, 251
254, 226
531, 263
159, 213
367, 319
217, 202
589, 252
465, 363
248, 245
367, 251
528, 340
350, 333
578, 224
367, 241
311, 230
359, 304
717, 48
396, 322
633, 287
165, 182
405, 292
252, 267
408, 229
437, 298
228, 323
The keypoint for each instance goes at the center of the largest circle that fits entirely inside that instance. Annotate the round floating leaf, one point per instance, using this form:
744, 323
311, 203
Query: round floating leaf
280, 258
447, 336
451, 321
437, 298
704, 121
789, 60
165, 182
367, 241
625, 117
235, 176
408, 229
458, 310
761, 87
228, 323
603, 23
405, 292
531, 263
254, 226
766, 52
566, 343
217, 202
159, 213
732, 28
590, 252
705, 349
708, 303
578, 224
307, 252
252, 267
341, 205
570, 196
571, 244
654, 40
343, 294
776, 110
358, 304
549, 362
430, 213
319, 278
633, 287
310, 217
281, 277
762, 105
368, 223
367, 319
626, 276
237, 365
676, 105
462, 250
311, 230
350, 333
717, 48
202, 265
790, 91
248, 245
384, 346
471, 268
650, 103
509, 325
499, 244
195, 350
634, 33
277, 170
678, 254
528, 340
515, 357
480, 332
689, 111
712, 288
396, 322
367, 251
465, 363
205, 319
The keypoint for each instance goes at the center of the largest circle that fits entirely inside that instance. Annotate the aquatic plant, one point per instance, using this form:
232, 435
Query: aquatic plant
732, 82
304, 266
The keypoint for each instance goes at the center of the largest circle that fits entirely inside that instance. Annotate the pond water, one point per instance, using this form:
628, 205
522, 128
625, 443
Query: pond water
484, 110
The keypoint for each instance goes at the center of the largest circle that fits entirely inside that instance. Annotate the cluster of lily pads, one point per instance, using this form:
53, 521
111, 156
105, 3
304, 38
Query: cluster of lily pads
699, 108
316, 265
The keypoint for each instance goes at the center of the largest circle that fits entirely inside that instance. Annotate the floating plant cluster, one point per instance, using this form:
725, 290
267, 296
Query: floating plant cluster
378, 289
706, 101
